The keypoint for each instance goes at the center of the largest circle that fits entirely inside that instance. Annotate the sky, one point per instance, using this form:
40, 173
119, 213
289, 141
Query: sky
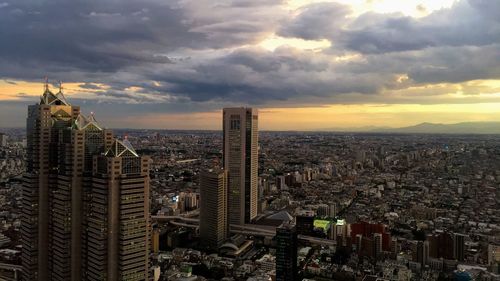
306, 64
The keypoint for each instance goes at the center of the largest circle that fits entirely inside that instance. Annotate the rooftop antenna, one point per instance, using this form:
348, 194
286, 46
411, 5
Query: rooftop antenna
46, 86
92, 117
60, 96
43, 97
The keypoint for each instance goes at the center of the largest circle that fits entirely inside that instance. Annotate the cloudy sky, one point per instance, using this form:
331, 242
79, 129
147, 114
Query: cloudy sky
305, 64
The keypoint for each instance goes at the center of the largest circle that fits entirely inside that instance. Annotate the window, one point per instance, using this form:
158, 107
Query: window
235, 124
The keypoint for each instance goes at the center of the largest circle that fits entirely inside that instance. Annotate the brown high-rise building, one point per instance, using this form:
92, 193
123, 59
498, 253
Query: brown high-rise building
45, 126
58, 199
240, 126
213, 212
118, 229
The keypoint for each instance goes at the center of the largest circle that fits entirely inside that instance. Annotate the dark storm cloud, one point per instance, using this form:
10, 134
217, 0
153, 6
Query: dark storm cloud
88, 35
61, 36
433, 65
258, 76
456, 65
186, 54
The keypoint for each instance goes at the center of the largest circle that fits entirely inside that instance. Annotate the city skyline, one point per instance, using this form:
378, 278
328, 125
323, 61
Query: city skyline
173, 66
287, 206
249, 140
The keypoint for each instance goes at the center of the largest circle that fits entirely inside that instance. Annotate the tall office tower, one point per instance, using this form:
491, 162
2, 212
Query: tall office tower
286, 253
213, 211
61, 145
459, 246
75, 147
45, 123
96, 141
240, 143
118, 228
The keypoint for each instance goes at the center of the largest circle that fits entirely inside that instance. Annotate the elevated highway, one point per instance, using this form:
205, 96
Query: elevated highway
247, 229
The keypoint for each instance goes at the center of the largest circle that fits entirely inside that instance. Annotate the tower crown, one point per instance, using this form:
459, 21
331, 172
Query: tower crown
122, 148
49, 98
90, 123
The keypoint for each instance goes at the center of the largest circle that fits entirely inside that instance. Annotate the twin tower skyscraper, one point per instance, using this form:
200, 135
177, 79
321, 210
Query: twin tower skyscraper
85, 207
229, 194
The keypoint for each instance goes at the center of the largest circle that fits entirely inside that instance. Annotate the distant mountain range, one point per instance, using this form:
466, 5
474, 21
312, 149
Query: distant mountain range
484, 128
433, 128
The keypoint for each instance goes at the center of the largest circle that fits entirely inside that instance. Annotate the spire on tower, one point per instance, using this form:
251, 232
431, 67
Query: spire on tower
50, 98
46, 85
91, 117
60, 94
43, 97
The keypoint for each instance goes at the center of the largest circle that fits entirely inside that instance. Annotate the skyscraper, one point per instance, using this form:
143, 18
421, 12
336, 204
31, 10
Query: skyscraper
286, 253
58, 199
75, 148
240, 143
118, 228
213, 211
45, 123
